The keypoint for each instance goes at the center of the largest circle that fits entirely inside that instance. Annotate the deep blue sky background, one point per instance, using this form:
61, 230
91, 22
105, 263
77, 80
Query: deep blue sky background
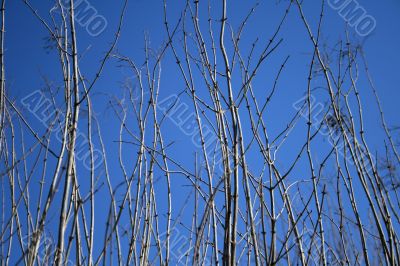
27, 62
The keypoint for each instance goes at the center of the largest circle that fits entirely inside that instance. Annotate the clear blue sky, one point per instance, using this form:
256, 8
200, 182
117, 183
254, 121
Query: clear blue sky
27, 63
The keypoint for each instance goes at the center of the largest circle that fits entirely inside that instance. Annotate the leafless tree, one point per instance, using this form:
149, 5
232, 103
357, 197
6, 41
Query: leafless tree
246, 206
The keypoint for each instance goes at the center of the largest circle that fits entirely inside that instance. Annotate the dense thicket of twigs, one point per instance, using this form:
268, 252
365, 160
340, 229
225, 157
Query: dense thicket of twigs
244, 211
